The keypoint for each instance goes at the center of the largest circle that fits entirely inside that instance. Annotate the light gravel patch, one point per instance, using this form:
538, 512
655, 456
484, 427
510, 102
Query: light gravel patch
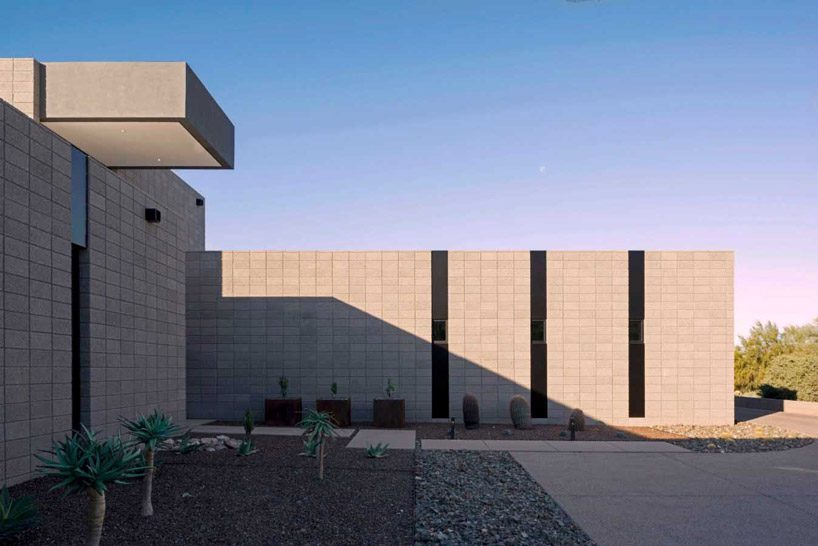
738, 438
469, 497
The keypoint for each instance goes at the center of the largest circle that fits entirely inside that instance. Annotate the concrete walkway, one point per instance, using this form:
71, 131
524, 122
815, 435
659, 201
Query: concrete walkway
805, 424
552, 446
263, 431
685, 498
396, 438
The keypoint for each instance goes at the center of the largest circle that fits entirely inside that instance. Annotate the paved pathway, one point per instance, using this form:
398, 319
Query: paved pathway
396, 438
263, 431
552, 446
685, 498
805, 424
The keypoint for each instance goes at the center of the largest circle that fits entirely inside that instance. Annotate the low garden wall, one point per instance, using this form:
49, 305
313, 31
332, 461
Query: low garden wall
774, 404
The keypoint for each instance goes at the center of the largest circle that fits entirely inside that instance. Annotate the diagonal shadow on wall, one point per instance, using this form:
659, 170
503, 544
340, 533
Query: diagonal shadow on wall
239, 347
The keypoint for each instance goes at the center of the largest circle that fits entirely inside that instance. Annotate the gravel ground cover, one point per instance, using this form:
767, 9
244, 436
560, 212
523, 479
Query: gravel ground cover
469, 497
439, 431
272, 497
739, 438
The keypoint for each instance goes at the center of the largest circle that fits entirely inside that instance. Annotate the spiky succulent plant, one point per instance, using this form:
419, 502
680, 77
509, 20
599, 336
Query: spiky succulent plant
319, 427
16, 515
151, 431
284, 385
378, 451
310, 447
390, 388
83, 463
246, 447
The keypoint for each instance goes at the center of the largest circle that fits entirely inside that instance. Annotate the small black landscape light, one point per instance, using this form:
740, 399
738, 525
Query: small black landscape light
199, 202
154, 216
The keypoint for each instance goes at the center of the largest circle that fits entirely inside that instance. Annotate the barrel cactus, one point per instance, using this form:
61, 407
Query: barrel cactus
471, 411
520, 412
578, 418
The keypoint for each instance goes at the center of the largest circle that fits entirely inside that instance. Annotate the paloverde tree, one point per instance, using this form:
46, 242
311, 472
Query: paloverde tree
319, 427
151, 431
83, 463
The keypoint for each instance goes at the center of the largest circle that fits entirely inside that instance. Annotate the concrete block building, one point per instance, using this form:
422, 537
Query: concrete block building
630, 337
110, 306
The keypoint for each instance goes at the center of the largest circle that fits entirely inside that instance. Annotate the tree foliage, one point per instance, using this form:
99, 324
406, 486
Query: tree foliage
766, 343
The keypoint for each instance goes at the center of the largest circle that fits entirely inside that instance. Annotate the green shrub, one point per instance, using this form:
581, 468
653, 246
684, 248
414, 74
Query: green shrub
520, 412
16, 515
792, 376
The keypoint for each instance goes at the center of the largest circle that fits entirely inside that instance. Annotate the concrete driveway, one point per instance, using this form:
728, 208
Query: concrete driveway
685, 498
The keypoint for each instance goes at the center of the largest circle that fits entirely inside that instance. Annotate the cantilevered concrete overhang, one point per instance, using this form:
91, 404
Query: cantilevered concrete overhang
137, 114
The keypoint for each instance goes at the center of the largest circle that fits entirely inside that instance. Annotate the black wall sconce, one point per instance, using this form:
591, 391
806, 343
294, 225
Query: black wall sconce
153, 216
199, 202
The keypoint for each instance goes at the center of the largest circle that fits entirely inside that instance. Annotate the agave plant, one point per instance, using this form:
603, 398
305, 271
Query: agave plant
16, 515
83, 463
319, 427
186, 446
378, 451
151, 431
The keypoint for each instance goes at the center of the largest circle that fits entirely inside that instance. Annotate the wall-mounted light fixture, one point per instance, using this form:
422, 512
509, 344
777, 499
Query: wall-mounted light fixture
154, 216
199, 202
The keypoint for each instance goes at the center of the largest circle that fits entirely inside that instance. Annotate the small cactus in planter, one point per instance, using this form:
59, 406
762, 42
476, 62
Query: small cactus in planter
390, 388
333, 389
578, 420
471, 411
520, 412
284, 385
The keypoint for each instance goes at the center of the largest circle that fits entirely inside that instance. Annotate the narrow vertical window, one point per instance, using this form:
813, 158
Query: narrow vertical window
539, 349
440, 347
636, 338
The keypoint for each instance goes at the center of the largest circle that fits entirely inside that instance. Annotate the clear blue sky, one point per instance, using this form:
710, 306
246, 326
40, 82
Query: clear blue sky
464, 124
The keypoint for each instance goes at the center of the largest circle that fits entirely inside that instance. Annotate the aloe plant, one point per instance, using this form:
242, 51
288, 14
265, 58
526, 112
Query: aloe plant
310, 447
151, 431
16, 515
319, 427
83, 463
378, 451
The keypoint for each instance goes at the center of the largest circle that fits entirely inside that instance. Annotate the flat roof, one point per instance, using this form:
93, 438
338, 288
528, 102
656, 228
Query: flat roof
137, 114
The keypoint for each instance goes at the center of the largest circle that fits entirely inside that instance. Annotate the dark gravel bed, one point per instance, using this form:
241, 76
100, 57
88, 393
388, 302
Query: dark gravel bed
272, 497
471, 497
439, 431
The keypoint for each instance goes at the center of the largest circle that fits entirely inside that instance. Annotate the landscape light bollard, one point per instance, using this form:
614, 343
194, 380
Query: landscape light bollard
451, 430
572, 426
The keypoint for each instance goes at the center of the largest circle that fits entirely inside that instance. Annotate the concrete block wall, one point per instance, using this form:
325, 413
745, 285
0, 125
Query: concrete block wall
35, 291
133, 293
689, 337
20, 84
357, 318
489, 329
587, 335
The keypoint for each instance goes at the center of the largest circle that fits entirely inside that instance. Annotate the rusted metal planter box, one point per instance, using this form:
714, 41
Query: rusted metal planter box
389, 412
339, 408
282, 412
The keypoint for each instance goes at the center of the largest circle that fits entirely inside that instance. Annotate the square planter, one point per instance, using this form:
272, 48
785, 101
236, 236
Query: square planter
282, 412
389, 412
339, 408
